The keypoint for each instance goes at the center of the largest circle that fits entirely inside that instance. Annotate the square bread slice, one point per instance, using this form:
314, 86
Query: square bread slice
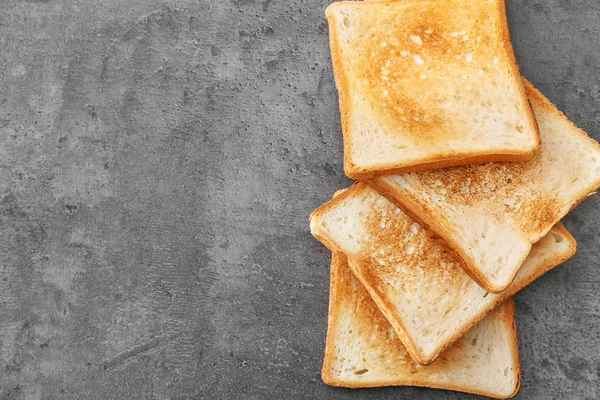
490, 214
427, 84
418, 286
362, 349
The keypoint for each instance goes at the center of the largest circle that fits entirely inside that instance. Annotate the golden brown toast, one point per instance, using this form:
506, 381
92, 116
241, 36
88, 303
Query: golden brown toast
362, 349
418, 285
427, 84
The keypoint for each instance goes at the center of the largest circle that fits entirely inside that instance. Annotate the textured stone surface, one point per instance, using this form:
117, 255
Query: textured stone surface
159, 160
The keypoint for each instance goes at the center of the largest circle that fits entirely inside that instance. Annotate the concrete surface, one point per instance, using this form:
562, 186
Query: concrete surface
158, 163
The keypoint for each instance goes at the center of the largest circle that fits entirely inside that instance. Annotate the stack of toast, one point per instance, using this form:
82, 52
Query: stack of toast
464, 171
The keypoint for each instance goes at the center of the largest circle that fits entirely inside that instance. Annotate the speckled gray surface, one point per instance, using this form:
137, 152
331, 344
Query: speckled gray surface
159, 160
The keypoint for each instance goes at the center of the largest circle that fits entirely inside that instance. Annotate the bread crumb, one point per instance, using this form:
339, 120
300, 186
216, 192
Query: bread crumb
418, 59
509, 201
414, 229
416, 39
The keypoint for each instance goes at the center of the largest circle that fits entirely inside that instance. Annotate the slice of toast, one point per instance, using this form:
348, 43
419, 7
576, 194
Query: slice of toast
362, 349
418, 286
490, 215
427, 84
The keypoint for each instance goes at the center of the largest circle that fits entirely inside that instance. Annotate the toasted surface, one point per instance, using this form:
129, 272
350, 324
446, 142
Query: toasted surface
362, 349
426, 84
491, 214
418, 286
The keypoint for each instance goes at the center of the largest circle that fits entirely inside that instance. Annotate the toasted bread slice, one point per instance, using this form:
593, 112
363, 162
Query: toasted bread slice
427, 84
362, 349
491, 214
418, 286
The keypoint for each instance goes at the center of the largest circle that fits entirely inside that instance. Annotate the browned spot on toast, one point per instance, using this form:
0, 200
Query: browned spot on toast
471, 184
432, 44
541, 214
509, 188
399, 251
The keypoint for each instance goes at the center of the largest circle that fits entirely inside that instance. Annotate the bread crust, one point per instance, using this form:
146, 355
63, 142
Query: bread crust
440, 161
327, 377
341, 83
433, 160
388, 310
511, 321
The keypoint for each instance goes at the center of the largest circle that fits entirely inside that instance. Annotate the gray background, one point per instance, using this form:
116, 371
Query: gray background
158, 163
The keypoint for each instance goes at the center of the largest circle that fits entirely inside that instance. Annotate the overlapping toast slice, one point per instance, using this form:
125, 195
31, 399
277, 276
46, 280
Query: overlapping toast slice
419, 287
427, 84
491, 214
362, 349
